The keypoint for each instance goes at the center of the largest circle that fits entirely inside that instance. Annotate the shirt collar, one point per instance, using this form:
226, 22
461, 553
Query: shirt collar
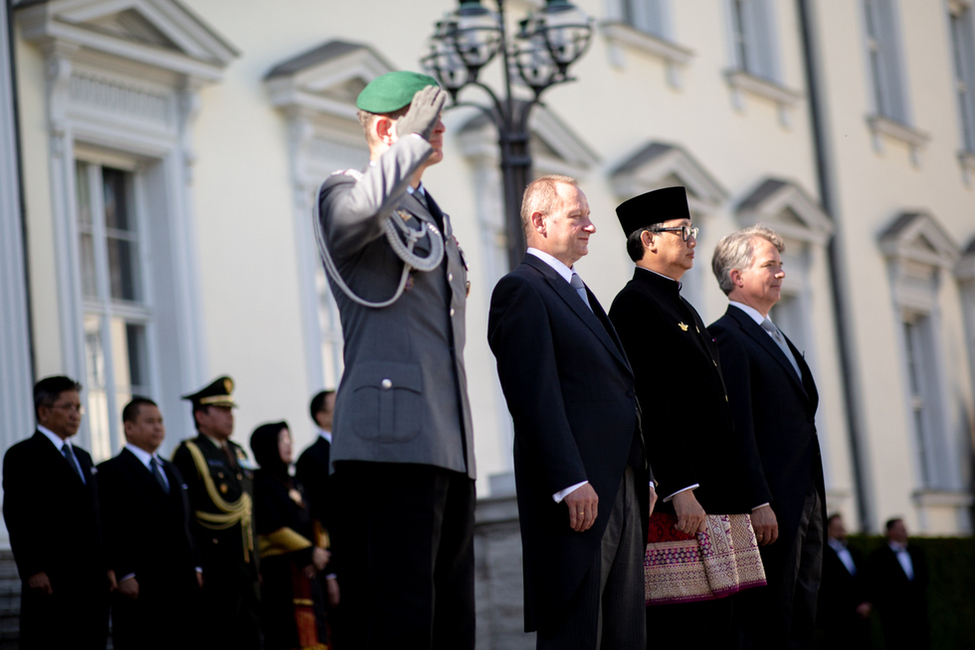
326, 434
748, 309
897, 547
420, 190
143, 455
836, 544
53, 437
560, 268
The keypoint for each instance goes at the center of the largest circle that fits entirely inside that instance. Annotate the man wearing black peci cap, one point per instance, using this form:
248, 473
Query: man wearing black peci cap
403, 449
219, 476
690, 434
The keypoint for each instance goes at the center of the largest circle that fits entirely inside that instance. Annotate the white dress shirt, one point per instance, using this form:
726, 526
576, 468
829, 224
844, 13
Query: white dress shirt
900, 550
843, 553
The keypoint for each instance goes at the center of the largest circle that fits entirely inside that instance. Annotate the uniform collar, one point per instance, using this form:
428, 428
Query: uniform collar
325, 434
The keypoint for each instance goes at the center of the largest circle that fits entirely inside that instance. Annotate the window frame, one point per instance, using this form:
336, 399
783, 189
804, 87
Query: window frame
107, 308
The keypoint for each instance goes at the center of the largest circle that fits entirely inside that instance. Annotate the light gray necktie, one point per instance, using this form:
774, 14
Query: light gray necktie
580, 288
779, 339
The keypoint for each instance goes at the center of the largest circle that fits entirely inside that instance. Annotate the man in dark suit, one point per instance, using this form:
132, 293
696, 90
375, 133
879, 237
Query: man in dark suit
844, 606
220, 476
51, 510
312, 470
146, 523
700, 458
580, 461
899, 585
773, 401
403, 451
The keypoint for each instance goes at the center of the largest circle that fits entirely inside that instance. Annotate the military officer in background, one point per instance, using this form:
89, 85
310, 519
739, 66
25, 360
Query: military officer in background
403, 451
219, 475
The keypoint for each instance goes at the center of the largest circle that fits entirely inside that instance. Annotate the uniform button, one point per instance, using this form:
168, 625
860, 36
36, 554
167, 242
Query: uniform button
629, 393
451, 311
450, 277
216, 541
726, 398
714, 362
386, 384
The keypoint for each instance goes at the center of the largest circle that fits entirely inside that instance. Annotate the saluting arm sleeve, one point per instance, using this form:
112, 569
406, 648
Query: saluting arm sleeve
352, 213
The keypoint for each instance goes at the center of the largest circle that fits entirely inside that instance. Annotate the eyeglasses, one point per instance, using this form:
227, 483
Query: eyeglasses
686, 232
70, 408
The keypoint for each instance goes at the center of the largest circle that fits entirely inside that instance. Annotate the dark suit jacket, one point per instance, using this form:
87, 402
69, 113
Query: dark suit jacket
775, 411
46, 508
147, 531
902, 603
313, 472
53, 521
841, 592
690, 436
571, 395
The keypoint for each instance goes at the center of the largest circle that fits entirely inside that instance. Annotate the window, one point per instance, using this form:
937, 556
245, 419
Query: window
753, 38
647, 16
917, 356
116, 315
885, 60
963, 57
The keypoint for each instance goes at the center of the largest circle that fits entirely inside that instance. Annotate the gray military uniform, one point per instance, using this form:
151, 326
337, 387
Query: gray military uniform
403, 398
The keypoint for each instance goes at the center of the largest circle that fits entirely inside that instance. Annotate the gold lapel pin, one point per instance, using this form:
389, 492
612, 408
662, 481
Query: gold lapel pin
682, 327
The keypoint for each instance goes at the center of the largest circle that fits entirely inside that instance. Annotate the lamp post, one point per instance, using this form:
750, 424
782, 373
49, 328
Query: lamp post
548, 42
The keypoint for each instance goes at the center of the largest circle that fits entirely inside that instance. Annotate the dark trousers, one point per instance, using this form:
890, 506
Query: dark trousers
230, 607
607, 610
75, 615
708, 622
160, 619
783, 614
406, 538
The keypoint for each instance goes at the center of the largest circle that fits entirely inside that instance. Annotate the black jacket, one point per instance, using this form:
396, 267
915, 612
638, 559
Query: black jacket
571, 395
775, 411
690, 434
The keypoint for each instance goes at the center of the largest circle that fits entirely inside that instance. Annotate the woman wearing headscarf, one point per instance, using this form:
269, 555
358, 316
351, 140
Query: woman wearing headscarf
290, 551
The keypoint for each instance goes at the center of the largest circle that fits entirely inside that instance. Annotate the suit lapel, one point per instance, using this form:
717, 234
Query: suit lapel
144, 475
574, 301
755, 331
58, 460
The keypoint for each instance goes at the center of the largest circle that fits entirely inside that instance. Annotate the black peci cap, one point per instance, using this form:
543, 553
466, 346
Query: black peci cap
653, 207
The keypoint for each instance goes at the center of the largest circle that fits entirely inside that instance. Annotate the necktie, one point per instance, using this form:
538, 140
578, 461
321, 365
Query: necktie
779, 339
69, 456
154, 468
580, 288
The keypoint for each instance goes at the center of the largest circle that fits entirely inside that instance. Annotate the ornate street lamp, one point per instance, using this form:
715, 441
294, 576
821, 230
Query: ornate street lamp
548, 42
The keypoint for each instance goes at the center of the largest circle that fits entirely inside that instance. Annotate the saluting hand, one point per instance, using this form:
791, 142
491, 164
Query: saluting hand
424, 113
582, 504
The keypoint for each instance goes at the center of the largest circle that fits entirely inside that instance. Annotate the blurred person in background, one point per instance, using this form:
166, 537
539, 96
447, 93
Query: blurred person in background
898, 576
291, 554
844, 607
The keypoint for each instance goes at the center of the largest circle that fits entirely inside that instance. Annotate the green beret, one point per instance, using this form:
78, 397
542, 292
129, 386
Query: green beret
392, 91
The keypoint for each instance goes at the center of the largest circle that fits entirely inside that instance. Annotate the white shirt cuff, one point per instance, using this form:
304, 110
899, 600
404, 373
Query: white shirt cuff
761, 506
689, 487
558, 496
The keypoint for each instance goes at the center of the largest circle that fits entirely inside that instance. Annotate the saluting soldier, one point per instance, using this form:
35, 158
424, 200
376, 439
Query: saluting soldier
220, 475
403, 450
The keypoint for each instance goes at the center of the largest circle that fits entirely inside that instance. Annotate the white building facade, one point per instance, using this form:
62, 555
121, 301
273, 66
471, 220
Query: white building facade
170, 151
